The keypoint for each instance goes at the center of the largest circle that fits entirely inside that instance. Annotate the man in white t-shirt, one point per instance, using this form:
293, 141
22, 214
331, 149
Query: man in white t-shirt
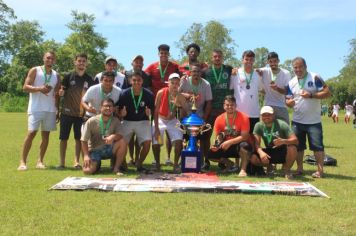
305, 91
42, 82
275, 82
97, 93
112, 65
246, 84
335, 115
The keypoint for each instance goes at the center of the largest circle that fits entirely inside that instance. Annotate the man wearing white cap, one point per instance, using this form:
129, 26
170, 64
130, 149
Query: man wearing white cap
279, 139
111, 65
170, 106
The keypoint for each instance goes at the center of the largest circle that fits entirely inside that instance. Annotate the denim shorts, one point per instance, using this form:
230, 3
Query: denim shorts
103, 153
314, 133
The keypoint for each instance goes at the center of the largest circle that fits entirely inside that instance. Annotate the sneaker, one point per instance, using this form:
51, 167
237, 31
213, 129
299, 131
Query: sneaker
60, 167
169, 162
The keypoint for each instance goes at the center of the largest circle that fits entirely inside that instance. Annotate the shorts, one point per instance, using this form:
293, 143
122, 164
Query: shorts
277, 154
314, 133
45, 119
66, 123
103, 153
170, 126
281, 113
232, 152
141, 129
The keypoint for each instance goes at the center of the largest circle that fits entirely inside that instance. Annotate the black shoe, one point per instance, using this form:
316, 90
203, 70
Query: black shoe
222, 166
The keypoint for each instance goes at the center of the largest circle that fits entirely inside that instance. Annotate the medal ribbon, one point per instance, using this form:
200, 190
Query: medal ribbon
170, 104
302, 82
134, 100
101, 123
162, 73
248, 80
268, 135
218, 78
273, 76
47, 79
229, 127
195, 88
103, 95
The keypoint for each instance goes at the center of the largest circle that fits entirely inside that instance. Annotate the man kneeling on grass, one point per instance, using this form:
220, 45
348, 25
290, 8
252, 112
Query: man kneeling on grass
232, 131
280, 141
101, 140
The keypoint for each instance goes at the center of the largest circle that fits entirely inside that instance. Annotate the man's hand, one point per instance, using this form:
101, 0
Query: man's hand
86, 161
109, 139
92, 110
305, 94
264, 157
279, 141
45, 89
226, 145
148, 111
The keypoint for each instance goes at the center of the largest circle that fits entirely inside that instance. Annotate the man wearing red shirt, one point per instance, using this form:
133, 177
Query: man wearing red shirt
159, 71
232, 131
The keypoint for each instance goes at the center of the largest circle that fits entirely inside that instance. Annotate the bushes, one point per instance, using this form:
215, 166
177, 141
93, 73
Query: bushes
11, 103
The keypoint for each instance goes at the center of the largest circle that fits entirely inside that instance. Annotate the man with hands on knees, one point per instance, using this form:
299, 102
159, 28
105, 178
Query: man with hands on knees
279, 139
101, 140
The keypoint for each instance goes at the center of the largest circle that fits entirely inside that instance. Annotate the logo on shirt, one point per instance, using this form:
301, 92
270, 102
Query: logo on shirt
310, 84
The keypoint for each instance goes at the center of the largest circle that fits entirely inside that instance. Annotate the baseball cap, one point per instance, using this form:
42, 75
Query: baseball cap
266, 109
173, 76
110, 58
137, 57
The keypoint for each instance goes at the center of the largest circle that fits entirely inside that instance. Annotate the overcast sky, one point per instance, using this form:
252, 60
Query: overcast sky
318, 30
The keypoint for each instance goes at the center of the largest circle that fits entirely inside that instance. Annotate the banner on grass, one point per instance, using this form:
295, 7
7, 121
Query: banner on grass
178, 185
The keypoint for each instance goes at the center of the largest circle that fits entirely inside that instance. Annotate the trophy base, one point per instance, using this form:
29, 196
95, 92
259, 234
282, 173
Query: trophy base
191, 161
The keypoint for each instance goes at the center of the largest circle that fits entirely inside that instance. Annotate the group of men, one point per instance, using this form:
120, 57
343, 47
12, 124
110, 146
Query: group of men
137, 108
349, 110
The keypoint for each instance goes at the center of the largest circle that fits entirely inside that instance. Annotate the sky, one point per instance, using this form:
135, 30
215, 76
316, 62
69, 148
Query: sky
318, 30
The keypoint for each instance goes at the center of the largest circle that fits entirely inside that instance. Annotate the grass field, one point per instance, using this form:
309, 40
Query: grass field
28, 208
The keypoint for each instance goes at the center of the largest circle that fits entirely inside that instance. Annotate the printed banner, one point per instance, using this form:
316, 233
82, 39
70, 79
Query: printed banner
188, 185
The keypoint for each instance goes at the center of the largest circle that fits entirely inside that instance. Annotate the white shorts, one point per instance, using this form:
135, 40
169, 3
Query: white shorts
335, 113
169, 125
348, 113
47, 121
142, 129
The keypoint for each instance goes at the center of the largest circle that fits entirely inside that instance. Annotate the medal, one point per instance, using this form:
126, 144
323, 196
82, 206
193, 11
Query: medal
272, 82
248, 86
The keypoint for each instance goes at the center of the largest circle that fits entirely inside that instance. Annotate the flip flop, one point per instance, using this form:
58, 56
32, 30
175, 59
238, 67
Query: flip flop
317, 175
22, 168
119, 173
77, 166
40, 166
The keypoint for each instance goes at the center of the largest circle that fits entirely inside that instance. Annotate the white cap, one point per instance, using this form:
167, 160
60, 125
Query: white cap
137, 57
266, 109
173, 76
110, 58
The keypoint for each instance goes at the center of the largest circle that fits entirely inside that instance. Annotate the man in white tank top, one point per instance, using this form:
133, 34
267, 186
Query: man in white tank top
42, 82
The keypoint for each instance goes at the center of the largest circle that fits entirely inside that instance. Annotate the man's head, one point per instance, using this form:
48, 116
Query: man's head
267, 114
163, 52
273, 60
299, 67
136, 80
229, 104
107, 79
193, 51
195, 71
110, 64
81, 62
137, 63
217, 57
107, 107
248, 58
49, 58
173, 82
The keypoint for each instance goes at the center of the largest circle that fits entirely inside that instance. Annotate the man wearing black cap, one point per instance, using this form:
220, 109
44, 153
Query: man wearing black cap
111, 65
193, 51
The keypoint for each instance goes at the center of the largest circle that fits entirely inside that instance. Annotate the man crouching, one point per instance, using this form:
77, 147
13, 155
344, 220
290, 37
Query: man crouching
101, 140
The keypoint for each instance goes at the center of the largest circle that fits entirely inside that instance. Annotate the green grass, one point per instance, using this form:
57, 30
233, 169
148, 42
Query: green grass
28, 208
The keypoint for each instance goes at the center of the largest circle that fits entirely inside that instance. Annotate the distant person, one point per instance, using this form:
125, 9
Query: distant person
136, 105
279, 139
193, 51
305, 91
42, 82
73, 87
324, 109
348, 112
219, 77
335, 114
275, 81
111, 65
168, 103
101, 140
354, 111
233, 126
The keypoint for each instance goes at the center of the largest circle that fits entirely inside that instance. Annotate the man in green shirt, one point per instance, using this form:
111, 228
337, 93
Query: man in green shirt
279, 139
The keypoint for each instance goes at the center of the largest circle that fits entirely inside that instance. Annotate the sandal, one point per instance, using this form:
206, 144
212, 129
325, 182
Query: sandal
119, 173
77, 166
22, 168
317, 175
40, 165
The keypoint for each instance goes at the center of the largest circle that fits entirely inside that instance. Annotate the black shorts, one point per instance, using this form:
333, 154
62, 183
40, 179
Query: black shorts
66, 123
232, 152
278, 154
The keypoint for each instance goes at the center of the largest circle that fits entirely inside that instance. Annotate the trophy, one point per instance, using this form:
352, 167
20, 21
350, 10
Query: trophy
192, 125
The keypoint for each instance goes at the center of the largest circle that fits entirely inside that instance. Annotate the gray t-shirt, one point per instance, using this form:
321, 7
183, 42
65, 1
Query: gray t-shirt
203, 90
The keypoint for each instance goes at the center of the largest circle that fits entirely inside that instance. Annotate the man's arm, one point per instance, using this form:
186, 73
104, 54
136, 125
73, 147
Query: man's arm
156, 113
291, 140
30, 79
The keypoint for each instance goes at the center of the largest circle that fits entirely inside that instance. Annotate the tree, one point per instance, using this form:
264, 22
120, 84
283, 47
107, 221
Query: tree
261, 55
209, 37
287, 64
83, 39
